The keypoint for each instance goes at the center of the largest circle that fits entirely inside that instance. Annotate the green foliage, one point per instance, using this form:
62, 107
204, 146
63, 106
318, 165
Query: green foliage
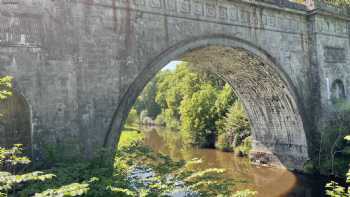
199, 104
133, 117
9, 158
169, 173
146, 101
224, 142
198, 116
169, 120
12, 184
333, 150
129, 136
333, 189
234, 128
244, 148
309, 167
160, 121
79, 178
236, 120
10, 161
5, 87
143, 115
74, 189
245, 193
74, 179
225, 99
174, 87
209, 182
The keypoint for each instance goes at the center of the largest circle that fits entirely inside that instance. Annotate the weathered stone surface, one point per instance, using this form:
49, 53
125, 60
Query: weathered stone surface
267, 96
80, 64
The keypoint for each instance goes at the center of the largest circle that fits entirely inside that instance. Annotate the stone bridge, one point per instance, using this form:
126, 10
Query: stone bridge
79, 65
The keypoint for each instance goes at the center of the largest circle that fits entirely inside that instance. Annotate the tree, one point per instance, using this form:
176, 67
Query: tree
173, 88
198, 115
132, 117
235, 128
146, 101
333, 189
224, 100
333, 155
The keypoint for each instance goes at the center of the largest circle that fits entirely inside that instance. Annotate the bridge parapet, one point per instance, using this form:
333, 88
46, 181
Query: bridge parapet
285, 4
323, 6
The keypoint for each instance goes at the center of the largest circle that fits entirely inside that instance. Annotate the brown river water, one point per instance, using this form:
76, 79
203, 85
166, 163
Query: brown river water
268, 182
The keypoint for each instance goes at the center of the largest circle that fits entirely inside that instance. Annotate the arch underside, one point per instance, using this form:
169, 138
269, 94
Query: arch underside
277, 126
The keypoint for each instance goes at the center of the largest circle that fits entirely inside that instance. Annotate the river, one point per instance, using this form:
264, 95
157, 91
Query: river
268, 182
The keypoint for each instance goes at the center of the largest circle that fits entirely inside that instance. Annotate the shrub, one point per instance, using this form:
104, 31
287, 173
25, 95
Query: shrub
224, 142
235, 129
133, 117
11, 160
333, 189
160, 120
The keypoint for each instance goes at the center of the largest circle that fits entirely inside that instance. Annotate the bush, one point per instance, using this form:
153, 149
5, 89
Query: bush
245, 193
160, 120
244, 149
11, 183
133, 117
224, 142
235, 128
143, 115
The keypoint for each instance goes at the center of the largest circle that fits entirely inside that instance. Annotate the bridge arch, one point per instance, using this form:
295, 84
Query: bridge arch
269, 97
15, 121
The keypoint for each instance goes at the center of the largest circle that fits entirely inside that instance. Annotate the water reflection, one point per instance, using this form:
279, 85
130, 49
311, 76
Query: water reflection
269, 182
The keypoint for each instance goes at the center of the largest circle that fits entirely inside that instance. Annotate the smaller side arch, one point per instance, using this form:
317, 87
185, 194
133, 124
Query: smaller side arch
15, 122
338, 91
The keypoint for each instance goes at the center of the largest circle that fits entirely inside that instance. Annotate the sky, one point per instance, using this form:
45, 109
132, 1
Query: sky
171, 65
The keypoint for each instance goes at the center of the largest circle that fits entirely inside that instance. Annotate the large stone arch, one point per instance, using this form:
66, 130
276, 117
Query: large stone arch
276, 133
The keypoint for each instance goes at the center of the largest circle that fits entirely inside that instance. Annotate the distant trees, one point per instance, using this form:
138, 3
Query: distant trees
199, 104
147, 101
198, 116
133, 117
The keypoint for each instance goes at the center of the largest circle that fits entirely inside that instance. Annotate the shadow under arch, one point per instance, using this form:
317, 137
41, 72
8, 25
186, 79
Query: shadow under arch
16, 121
192, 50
